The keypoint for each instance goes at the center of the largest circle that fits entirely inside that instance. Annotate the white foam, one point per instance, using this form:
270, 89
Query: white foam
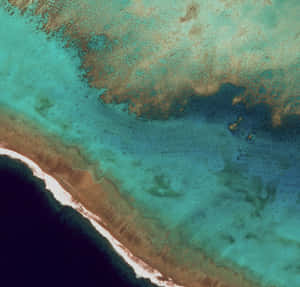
140, 268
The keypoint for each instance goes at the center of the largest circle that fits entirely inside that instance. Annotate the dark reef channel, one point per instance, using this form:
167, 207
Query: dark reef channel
43, 243
255, 118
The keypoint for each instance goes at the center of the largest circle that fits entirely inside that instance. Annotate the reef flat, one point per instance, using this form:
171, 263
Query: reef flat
208, 199
153, 55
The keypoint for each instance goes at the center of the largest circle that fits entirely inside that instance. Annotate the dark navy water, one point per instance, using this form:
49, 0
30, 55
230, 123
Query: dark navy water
43, 243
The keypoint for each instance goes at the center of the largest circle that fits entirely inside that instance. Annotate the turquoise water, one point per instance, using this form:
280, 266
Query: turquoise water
215, 190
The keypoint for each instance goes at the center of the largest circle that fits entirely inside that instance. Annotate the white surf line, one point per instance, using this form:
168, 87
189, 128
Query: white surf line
140, 268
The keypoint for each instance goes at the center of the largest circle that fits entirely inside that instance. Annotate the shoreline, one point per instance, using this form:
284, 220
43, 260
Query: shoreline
140, 268
98, 199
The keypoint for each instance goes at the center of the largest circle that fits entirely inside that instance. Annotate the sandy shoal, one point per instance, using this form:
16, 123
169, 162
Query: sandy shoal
100, 195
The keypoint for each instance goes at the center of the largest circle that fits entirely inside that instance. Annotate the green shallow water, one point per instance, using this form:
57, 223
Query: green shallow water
212, 189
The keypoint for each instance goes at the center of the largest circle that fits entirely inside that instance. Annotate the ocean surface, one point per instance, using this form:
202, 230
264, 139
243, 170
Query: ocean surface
43, 243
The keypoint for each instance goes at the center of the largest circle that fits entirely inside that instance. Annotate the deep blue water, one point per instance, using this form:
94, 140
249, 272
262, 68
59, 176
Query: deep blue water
43, 243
